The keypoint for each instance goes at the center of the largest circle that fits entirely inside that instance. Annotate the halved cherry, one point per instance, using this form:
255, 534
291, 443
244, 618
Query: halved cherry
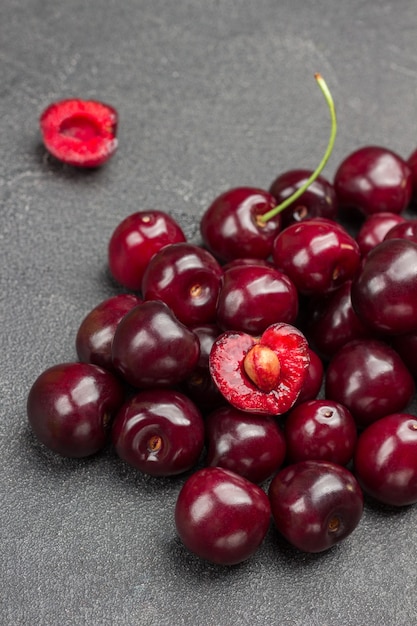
261, 374
79, 132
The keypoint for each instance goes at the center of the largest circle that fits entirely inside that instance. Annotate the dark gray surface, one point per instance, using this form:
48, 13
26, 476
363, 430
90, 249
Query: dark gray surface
211, 94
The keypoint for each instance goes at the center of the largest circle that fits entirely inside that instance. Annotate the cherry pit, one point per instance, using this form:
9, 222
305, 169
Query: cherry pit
268, 367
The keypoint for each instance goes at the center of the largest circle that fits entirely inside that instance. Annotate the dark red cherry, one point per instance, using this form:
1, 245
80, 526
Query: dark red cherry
315, 504
412, 164
249, 444
134, 242
159, 432
370, 379
333, 322
313, 380
261, 374
317, 254
70, 407
221, 517
384, 294
385, 461
373, 179
199, 386
320, 430
152, 348
96, 331
252, 297
187, 278
374, 229
406, 346
406, 229
319, 200
230, 226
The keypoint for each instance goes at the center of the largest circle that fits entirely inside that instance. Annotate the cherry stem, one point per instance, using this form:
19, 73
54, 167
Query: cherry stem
330, 103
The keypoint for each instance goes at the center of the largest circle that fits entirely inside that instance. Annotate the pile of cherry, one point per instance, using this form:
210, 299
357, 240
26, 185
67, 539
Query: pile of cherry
272, 366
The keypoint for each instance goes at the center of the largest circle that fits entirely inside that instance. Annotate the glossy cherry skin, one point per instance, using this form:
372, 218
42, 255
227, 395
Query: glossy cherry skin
412, 164
320, 430
96, 331
385, 461
221, 517
333, 322
370, 379
384, 294
151, 348
317, 254
230, 227
251, 445
374, 229
319, 200
134, 242
373, 179
159, 432
406, 346
187, 278
199, 386
253, 297
70, 407
315, 504
407, 229
313, 380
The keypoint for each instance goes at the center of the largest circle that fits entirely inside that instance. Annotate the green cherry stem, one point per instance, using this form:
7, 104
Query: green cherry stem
329, 99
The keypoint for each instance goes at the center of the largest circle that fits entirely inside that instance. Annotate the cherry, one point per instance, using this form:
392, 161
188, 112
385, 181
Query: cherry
313, 380
134, 242
70, 407
373, 179
80, 132
187, 278
151, 347
199, 386
319, 200
252, 297
333, 322
159, 432
406, 229
315, 504
251, 445
96, 331
385, 461
317, 254
406, 346
230, 226
370, 379
412, 164
263, 374
320, 430
384, 294
374, 229
221, 517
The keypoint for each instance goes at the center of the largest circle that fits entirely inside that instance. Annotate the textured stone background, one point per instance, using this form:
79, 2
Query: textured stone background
211, 94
